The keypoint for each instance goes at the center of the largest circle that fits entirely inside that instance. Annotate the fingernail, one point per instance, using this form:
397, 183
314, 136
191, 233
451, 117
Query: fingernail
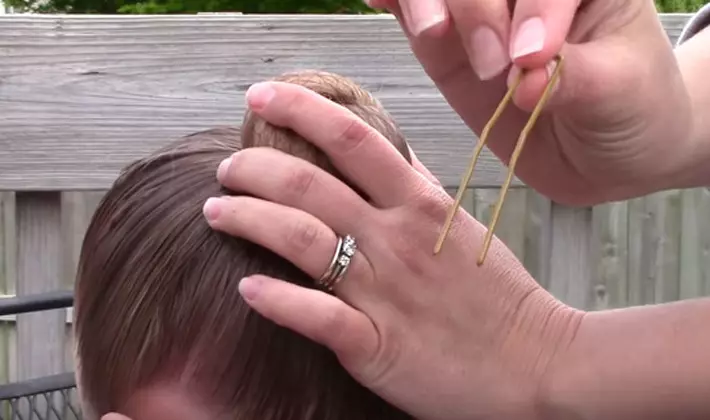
530, 38
259, 95
212, 208
421, 15
489, 56
249, 287
223, 169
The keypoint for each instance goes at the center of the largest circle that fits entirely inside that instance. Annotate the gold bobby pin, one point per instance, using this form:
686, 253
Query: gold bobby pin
513, 159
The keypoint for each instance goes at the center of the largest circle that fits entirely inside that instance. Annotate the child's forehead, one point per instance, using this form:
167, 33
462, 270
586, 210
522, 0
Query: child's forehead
169, 401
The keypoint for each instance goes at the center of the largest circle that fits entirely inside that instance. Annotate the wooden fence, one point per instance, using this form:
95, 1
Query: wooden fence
80, 96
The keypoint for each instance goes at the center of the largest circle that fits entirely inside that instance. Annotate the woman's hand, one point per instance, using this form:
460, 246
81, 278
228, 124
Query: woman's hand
437, 336
619, 120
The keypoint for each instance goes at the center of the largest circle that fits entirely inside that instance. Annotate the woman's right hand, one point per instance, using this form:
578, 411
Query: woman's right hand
619, 120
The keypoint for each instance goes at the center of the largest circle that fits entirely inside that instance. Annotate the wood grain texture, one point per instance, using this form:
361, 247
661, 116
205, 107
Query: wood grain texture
8, 280
83, 95
610, 248
40, 336
570, 278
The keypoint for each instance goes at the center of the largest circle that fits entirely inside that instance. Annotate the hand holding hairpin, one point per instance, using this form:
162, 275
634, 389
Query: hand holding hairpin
513, 159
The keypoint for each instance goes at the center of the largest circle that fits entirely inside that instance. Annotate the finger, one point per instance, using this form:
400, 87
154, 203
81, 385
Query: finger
318, 316
295, 235
279, 177
421, 16
419, 166
359, 152
539, 29
532, 86
483, 27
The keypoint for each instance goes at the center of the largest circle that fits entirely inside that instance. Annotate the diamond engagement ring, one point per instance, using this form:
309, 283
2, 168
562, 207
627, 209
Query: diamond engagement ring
344, 252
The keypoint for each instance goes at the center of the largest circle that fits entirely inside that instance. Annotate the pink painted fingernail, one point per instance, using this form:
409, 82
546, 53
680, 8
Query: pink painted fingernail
530, 38
212, 208
259, 95
489, 55
249, 287
420, 15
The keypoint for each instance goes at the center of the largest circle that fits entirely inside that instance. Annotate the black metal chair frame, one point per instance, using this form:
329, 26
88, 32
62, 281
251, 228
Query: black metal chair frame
20, 400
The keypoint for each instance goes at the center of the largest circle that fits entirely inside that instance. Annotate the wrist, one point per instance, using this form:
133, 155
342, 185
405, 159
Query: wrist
551, 403
550, 329
646, 362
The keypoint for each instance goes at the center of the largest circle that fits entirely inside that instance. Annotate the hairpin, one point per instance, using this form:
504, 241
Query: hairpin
513, 159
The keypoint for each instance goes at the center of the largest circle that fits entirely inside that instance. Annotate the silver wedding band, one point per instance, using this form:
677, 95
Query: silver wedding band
343, 255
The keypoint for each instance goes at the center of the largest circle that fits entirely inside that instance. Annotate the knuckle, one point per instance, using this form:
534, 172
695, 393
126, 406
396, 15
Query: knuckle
300, 180
352, 133
303, 236
433, 204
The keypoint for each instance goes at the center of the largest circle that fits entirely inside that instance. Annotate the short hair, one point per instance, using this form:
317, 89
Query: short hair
157, 295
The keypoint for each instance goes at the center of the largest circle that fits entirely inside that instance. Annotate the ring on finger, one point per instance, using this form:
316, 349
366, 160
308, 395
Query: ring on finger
342, 257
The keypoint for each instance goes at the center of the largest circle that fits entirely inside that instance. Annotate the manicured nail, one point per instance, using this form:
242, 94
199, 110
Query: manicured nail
223, 169
259, 95
211, 208
421, 15
489, 56
530, 38
249, 287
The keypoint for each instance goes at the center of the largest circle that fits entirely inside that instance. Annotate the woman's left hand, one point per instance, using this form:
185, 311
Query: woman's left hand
437, 336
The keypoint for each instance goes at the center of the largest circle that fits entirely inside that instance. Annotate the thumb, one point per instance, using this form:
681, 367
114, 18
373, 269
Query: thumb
318, 316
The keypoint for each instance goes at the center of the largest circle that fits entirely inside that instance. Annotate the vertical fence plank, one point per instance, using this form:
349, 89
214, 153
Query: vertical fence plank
610, 255
538, 237
40, 336
694, 276
569, 255
654, 248
667, 280
512, 222
77, 209
8, 370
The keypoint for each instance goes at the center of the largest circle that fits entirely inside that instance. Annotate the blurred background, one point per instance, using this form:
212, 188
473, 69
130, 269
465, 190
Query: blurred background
243, 6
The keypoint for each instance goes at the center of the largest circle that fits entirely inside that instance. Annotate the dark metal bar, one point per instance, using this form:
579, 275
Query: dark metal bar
36, 302
37, 386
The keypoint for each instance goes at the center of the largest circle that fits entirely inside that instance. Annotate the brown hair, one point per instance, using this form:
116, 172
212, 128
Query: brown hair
157, 289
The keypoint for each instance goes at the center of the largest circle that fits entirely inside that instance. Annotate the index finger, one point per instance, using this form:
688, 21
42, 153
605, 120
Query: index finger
356, 149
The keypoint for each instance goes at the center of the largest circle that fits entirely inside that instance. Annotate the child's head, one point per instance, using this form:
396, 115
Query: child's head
161, 330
